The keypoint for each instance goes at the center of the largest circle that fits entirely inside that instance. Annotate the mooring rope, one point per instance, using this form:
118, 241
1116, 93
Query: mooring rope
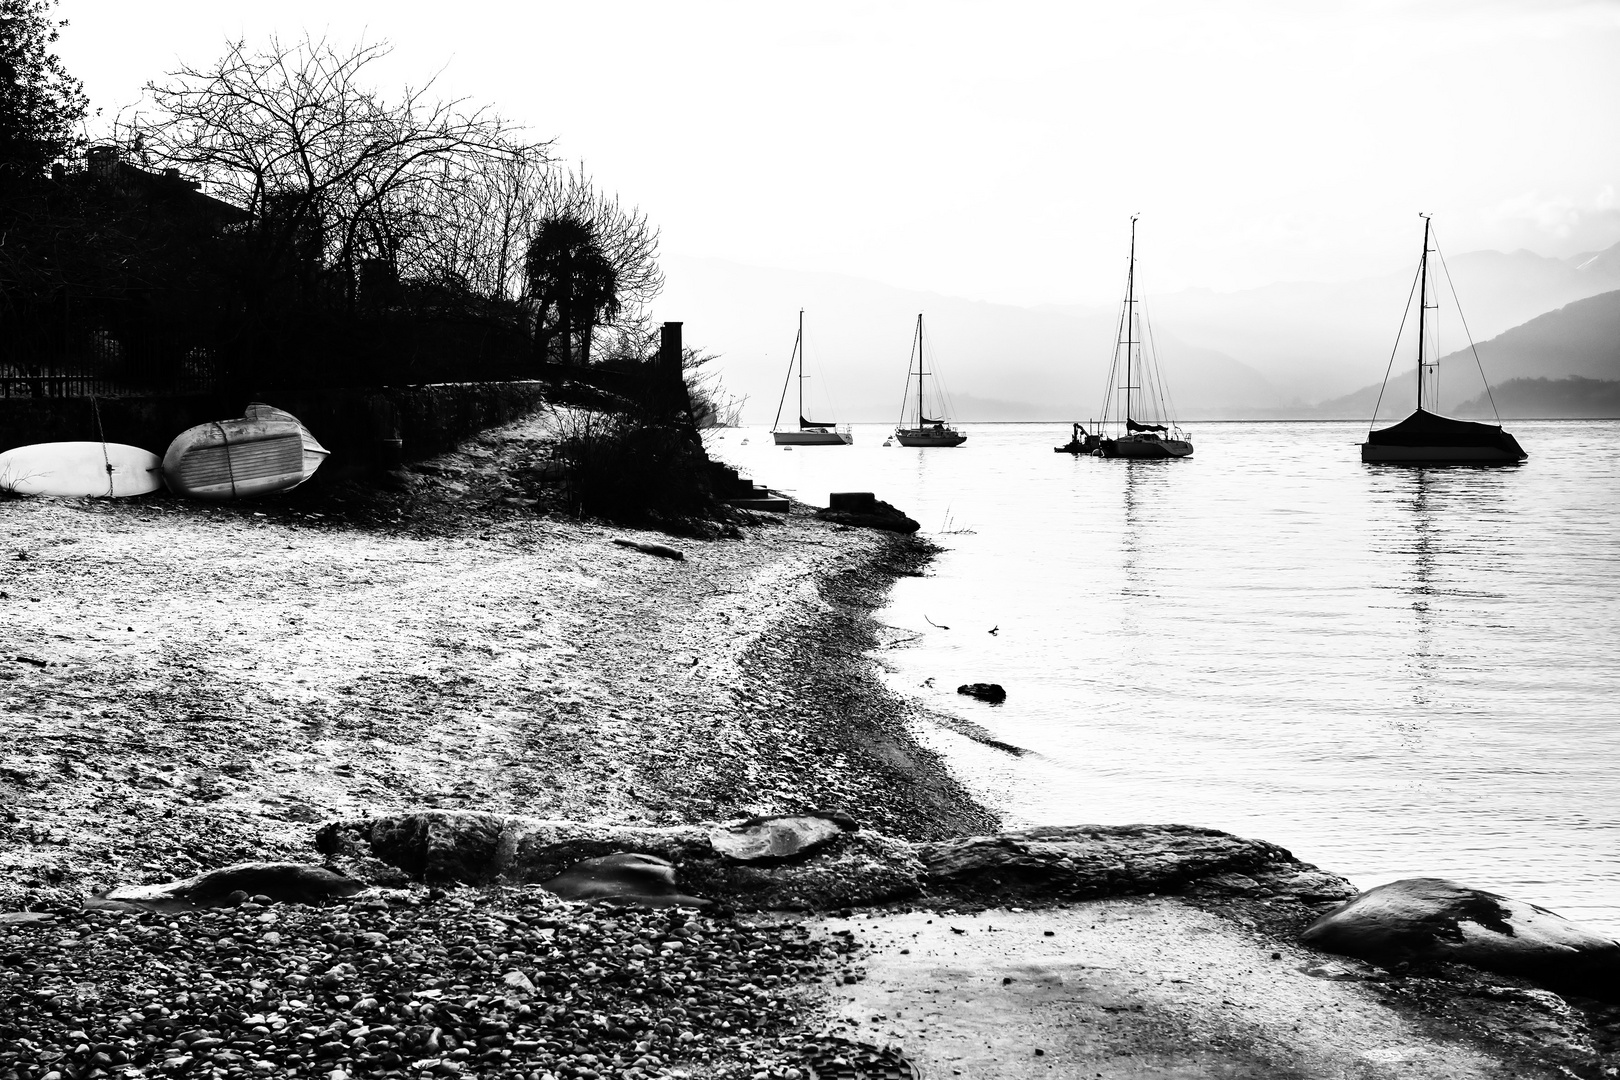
230, 467
101, 434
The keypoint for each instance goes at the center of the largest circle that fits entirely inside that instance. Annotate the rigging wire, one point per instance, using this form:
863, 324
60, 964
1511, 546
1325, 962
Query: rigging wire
1471, 346
1405, 314
942, 389
1167, 409
798, 341
820, 377
912, 350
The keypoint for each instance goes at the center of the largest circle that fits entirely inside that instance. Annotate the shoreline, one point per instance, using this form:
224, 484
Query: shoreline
189, 686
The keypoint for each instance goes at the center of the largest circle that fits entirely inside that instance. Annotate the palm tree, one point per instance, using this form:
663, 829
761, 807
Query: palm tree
572, 284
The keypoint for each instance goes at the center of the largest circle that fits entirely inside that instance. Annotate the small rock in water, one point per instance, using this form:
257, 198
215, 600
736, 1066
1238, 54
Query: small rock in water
984, 691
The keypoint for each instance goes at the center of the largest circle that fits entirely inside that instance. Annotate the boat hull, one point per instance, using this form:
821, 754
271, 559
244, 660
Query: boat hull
813, 437
314, 452
929, 437
1373, 454
1427, 438
71, 470
237, 459
1138, 448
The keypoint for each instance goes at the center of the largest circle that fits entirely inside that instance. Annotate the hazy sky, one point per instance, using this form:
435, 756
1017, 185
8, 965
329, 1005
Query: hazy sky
996, 150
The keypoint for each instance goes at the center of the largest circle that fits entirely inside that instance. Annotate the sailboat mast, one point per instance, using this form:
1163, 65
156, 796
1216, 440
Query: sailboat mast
798, 343
1130, 311
920, 413
1423, 305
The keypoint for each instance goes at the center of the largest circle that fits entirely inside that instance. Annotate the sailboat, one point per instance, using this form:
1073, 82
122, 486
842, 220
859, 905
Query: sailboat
924, 430
1121, 434
1425, 437
809, 432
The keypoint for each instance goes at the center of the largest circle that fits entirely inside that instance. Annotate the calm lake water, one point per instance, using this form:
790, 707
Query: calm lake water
1390, 671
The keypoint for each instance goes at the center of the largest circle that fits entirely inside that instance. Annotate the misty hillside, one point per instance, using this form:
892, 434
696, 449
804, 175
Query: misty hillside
1573, 398
1580, 342
1260, 353
997, 361
1582, 339
1315, 340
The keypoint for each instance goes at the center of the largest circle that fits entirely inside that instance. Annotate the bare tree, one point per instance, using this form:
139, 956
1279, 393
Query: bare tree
328, 167
484, 225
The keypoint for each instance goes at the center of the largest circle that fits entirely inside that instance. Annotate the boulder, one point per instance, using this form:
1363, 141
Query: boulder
1432, 919
780, 838
984, 691
1080, 862
296, 883
853, 502
878, 515
623, 878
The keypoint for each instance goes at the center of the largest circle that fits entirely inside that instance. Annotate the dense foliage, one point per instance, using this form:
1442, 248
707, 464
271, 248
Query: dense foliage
41, 105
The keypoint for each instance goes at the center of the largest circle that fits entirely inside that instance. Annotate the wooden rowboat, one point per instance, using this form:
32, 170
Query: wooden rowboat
240, 458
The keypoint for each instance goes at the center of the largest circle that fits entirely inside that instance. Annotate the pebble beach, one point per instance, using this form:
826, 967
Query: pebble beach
187, 686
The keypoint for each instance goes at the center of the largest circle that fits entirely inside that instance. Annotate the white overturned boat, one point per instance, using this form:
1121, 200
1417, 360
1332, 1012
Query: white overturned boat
69, 470
263, 452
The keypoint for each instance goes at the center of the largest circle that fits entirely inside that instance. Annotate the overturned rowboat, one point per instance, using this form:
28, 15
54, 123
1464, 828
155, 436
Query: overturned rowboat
77, 469
263, 452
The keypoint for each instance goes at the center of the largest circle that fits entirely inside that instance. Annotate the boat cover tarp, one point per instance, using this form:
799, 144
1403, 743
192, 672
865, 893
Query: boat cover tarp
1132, 425
923, 421
803, 423
1424, 428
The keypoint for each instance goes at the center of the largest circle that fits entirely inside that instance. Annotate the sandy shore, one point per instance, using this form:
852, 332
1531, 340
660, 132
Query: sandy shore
185, 686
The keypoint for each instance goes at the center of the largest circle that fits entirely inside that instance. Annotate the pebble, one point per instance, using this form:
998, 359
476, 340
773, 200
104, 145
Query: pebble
500, 981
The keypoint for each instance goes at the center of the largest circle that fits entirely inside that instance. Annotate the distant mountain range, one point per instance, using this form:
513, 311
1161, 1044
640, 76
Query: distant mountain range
1294, 349
1563, 363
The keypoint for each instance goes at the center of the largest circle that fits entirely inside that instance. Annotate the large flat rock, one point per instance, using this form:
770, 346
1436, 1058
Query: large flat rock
1078, 862
798, 862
